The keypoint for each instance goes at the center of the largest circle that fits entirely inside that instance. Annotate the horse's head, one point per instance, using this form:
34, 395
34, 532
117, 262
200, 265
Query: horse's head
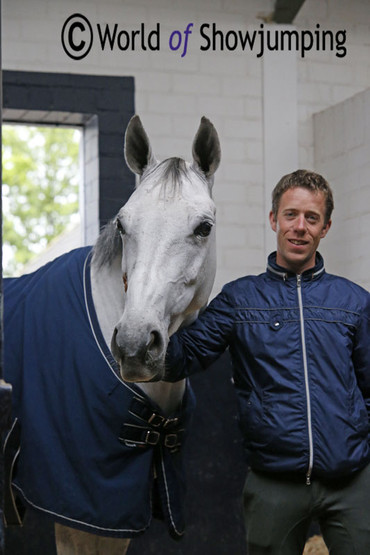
167, 229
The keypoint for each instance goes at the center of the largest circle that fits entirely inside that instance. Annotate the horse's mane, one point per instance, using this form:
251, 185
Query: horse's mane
108, 245
169, 176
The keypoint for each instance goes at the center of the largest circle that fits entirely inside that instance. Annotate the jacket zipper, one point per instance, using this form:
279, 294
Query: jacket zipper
305, 368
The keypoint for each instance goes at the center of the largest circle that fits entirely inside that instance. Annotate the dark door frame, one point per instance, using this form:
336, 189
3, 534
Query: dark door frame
101, 105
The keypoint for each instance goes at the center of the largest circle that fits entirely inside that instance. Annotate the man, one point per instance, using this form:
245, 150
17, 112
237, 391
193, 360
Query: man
299, 341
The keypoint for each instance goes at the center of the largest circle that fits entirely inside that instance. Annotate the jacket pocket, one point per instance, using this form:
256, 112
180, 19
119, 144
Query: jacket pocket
358, 413
251, 418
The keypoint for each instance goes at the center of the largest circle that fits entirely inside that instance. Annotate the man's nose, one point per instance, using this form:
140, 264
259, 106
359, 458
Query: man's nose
300, 223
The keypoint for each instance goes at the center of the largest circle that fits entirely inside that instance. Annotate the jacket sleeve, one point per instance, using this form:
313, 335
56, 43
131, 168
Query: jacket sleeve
193, 348
361, 354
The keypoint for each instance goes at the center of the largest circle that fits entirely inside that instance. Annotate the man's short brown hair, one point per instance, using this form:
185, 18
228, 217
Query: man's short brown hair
308, 180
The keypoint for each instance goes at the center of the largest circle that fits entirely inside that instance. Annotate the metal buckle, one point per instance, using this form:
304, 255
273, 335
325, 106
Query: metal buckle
152, 437
170, 441
171, 422
156, 420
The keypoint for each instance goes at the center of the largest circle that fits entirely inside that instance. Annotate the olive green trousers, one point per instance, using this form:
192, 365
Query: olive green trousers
279, 510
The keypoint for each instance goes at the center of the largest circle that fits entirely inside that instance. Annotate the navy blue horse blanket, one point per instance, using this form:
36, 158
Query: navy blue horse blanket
95, 452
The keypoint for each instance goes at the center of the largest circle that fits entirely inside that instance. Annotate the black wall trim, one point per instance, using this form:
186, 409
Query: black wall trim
73, 99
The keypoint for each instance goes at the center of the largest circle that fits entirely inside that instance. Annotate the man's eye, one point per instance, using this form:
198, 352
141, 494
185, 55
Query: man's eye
313, 218
120, 227
203, 229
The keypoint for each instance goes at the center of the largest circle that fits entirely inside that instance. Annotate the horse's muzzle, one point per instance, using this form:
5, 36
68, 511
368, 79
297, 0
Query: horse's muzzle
140, 360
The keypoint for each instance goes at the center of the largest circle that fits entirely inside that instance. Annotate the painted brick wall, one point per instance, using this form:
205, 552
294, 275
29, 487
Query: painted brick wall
323, 78
342, 146
172, 92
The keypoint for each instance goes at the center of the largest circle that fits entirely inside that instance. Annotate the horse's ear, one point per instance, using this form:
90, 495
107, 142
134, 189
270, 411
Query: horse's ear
138, 152
206, 148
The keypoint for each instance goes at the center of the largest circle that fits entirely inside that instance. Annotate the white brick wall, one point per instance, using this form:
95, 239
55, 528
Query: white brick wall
324, 79
342, 146
173, 92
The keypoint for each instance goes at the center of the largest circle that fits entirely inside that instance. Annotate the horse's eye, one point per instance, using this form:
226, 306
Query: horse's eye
203, 229
119, 226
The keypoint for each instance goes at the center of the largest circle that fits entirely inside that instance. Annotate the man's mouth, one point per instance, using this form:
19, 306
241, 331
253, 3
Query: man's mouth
298, 242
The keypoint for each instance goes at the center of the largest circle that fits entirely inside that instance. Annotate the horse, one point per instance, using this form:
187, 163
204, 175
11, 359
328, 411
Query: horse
97, 433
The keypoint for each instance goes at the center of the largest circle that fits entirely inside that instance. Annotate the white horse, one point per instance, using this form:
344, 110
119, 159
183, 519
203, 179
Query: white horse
152, 270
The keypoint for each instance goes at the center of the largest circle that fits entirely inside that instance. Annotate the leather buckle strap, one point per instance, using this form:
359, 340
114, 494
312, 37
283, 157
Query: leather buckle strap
142, 410
156, 420
138, 436
172, 423
152, 437
172, 441
150, 428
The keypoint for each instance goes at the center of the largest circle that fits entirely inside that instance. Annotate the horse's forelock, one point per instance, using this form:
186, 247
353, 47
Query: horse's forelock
169, 175
174, 171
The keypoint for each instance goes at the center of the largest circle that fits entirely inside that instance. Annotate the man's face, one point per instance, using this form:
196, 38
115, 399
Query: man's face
299, 226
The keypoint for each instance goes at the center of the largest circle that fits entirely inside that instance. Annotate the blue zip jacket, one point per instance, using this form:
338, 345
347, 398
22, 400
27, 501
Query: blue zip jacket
300, 352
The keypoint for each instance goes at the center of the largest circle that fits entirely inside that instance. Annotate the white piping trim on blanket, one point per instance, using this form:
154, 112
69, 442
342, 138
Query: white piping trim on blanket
168, 496
85, 524
94, 334
15, 458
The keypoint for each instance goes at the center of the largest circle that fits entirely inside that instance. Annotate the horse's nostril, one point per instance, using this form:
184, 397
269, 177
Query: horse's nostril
155, 344
114, 337
114, 346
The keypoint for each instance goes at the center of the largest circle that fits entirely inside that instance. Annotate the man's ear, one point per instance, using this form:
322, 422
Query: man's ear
325, 229
272, 221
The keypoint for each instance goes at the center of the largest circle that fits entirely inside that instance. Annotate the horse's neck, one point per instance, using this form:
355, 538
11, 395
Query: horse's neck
168, 396
108, 296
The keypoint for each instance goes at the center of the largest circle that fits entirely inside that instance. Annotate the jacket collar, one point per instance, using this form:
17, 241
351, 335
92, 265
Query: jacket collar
278, 271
